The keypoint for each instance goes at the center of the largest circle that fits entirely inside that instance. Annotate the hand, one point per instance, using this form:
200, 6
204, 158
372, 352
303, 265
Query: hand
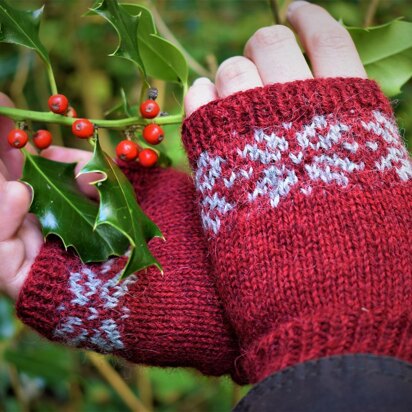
304, 192
20, 232
272, 55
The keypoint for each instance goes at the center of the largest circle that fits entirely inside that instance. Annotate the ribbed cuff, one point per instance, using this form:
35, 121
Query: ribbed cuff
377, 331
225, 123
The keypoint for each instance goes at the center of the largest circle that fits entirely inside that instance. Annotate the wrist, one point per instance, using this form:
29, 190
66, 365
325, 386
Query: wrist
226, 123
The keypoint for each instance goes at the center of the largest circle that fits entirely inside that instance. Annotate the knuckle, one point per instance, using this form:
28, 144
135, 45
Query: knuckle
233, 68
336, 39
272, 36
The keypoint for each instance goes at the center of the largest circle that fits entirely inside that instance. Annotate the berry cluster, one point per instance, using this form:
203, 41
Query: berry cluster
42, 139
152, 133
127, 149
18, 138
82, 128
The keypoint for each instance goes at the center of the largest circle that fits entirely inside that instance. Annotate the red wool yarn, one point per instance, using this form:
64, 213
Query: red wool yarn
305, 196
304, 192
174, 319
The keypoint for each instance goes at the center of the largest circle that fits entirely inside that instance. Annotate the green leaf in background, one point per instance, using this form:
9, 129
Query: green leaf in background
386, 52
63, 210
118, 208
126, 26
162, 59
22, 27
39, 358
7, 323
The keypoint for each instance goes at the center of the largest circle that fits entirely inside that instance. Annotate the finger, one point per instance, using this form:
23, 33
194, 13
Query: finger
15, 199
32, 236
12, 158
3, 171
67, 155
236, 74
330, 48
17, 255
277, 55
12, 256
200, 93
81, 157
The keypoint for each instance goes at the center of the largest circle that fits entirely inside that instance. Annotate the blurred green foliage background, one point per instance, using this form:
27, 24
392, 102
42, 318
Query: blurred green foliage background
36, 375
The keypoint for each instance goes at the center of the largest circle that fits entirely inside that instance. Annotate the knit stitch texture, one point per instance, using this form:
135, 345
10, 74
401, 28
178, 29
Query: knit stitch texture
304, 192
170, 320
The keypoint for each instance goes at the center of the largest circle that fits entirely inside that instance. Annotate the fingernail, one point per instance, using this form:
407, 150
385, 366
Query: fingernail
295, 5
201, 80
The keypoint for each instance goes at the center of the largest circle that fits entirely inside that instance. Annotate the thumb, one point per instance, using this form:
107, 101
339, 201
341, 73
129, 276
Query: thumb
12, 158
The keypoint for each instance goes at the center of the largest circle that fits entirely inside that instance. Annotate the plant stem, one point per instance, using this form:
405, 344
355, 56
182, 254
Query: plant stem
116, 382
144, 386
275, 11
370, 13
52, 80
283, 11
47, 117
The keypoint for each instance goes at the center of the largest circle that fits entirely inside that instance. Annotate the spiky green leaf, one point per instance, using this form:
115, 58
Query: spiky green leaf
162, 59
64, 211
126, 26
118, 208
22, 27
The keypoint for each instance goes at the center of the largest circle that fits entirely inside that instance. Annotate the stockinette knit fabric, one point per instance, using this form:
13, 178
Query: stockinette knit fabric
305, 196
174, 319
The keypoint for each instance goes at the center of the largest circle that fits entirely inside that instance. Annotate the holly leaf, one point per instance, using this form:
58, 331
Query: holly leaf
22, 27
126, 26
386, 52
118, 208
64, 211
162, 59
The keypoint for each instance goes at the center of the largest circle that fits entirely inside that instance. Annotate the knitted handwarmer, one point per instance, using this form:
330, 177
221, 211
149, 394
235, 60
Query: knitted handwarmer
170, 320
305, 197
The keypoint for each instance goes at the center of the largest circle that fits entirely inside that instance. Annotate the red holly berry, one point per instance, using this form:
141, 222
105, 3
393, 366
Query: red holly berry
17, 138
148, 157
127, 150
71, 112
83, 128
153, 133
149, 109
58, 103
42, 139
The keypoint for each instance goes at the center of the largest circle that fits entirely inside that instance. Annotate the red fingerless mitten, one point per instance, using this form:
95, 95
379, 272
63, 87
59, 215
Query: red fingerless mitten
305, 196
170, 320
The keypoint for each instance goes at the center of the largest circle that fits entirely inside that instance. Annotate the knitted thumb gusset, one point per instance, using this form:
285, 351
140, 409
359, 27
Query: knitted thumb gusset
305, 195
174, 319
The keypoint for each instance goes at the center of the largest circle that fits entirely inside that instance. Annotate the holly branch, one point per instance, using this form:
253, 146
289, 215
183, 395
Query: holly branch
117, 224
